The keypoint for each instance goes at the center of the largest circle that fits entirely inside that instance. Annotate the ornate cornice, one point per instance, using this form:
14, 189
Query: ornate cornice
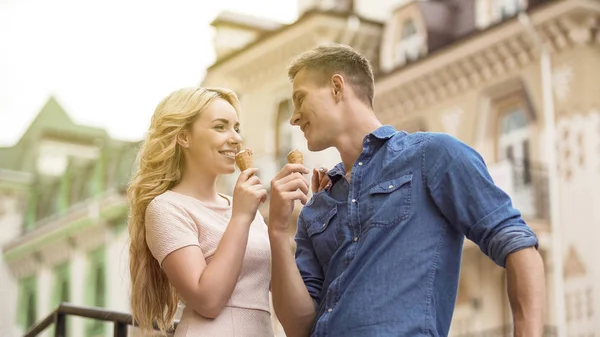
268, 64
490, 54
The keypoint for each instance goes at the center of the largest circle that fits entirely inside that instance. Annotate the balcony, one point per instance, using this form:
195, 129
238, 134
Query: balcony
527, 185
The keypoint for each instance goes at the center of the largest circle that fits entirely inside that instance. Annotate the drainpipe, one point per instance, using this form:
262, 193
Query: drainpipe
553, 178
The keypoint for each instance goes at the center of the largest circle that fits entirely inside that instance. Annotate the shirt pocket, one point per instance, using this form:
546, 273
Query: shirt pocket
322, 231
390, 201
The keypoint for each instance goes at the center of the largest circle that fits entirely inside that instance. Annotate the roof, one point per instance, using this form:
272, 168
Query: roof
462, 35
53, 121
245, 21
271, 34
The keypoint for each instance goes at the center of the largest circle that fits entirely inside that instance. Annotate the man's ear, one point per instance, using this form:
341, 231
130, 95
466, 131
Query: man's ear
337, 87
183, 139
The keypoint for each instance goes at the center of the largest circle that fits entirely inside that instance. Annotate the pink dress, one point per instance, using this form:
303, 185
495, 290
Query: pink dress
174, 221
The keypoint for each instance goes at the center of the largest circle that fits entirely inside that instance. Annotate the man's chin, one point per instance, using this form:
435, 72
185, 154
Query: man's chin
315, 147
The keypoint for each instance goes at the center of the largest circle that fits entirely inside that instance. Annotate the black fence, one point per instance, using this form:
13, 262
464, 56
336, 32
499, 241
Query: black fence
121, 321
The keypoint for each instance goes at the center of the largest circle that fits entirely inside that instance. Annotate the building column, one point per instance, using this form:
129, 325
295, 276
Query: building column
44, 294
9, 292
117, 267
77, 292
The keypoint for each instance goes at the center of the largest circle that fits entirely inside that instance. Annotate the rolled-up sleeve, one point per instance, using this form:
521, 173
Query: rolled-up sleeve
307, 262
463, 190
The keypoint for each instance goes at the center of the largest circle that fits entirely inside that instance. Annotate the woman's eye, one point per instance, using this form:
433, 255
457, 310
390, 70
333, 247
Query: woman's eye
219, 127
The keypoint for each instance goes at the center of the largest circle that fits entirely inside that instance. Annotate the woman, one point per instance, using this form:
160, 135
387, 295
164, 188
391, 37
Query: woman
188, 241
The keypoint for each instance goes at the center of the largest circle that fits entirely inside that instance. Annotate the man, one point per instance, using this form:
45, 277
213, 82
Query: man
378, 252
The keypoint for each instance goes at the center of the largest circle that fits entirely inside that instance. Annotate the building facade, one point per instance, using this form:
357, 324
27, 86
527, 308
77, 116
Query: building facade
470, 68
473, 69
63, 218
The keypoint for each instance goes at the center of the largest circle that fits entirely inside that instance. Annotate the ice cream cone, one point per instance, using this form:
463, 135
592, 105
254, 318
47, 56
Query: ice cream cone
243, 159
295, 157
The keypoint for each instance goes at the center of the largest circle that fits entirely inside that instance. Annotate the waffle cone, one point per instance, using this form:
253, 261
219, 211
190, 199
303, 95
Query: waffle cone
243, 159
295, 157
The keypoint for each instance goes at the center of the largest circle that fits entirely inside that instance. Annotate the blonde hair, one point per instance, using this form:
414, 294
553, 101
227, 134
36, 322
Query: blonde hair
153, 298
330, 59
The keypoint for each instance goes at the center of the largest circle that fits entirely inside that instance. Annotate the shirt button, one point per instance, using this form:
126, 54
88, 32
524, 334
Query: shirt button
360, 163
391, 186
355, 238
353, 200
329, 310
324, 224
368, 140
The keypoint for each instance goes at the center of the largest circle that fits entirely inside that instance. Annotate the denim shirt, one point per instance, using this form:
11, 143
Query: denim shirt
381, 254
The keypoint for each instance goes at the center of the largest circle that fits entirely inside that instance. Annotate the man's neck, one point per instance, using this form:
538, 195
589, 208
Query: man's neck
350, 144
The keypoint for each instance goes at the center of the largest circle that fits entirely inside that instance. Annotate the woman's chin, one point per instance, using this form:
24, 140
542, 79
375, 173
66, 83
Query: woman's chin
229, 170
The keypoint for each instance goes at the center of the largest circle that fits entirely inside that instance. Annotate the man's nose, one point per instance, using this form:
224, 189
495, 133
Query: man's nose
295, 119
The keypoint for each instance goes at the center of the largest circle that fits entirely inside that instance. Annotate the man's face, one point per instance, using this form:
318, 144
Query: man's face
315, 110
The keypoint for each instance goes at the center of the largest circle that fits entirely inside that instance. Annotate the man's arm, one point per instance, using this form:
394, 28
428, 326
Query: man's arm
526, 291
292, 301
463, 190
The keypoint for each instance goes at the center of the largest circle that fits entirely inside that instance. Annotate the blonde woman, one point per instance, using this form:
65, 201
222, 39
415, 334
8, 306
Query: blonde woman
188, 241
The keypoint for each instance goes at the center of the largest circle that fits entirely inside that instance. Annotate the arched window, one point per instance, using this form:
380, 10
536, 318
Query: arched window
409, 44
509, 8
513, 142
492, 11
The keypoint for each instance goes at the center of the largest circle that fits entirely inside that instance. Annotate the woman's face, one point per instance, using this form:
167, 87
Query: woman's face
214, 139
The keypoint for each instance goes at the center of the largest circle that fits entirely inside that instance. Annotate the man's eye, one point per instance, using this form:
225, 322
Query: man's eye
238, 131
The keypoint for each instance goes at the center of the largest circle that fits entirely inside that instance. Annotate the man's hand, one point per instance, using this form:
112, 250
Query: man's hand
320, 180
287, 186
526, 291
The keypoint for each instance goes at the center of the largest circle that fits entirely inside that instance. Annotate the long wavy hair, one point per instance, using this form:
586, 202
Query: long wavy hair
153, 298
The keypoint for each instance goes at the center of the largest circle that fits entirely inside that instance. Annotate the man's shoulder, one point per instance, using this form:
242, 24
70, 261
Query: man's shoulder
419, 139
430, 141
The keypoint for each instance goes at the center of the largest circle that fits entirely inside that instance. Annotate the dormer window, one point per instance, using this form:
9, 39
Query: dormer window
508, 8
409, 45
493, 11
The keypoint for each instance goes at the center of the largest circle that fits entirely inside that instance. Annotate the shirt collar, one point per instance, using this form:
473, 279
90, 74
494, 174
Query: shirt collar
383, 132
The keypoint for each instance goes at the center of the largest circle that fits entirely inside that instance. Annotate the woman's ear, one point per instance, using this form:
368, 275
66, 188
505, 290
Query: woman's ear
183, 139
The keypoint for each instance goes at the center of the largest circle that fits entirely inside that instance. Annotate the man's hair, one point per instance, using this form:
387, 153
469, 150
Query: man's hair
330, 59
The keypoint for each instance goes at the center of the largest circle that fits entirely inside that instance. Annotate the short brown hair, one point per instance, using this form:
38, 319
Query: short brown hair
330, 59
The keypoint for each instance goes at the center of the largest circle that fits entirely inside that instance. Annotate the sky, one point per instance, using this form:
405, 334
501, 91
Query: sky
108, 63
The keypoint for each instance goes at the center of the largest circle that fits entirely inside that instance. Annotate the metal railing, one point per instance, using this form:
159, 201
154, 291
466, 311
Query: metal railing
526, 184
534, 180
121, 321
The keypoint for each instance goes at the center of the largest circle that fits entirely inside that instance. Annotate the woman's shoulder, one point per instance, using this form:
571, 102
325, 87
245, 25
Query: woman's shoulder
169, 201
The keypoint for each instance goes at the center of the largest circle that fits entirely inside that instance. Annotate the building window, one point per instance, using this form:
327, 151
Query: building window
590, 303
27, 314
96, 292
514, 125
61, 285
508, 8
409, 44
514, 144
284, 132
493, 11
